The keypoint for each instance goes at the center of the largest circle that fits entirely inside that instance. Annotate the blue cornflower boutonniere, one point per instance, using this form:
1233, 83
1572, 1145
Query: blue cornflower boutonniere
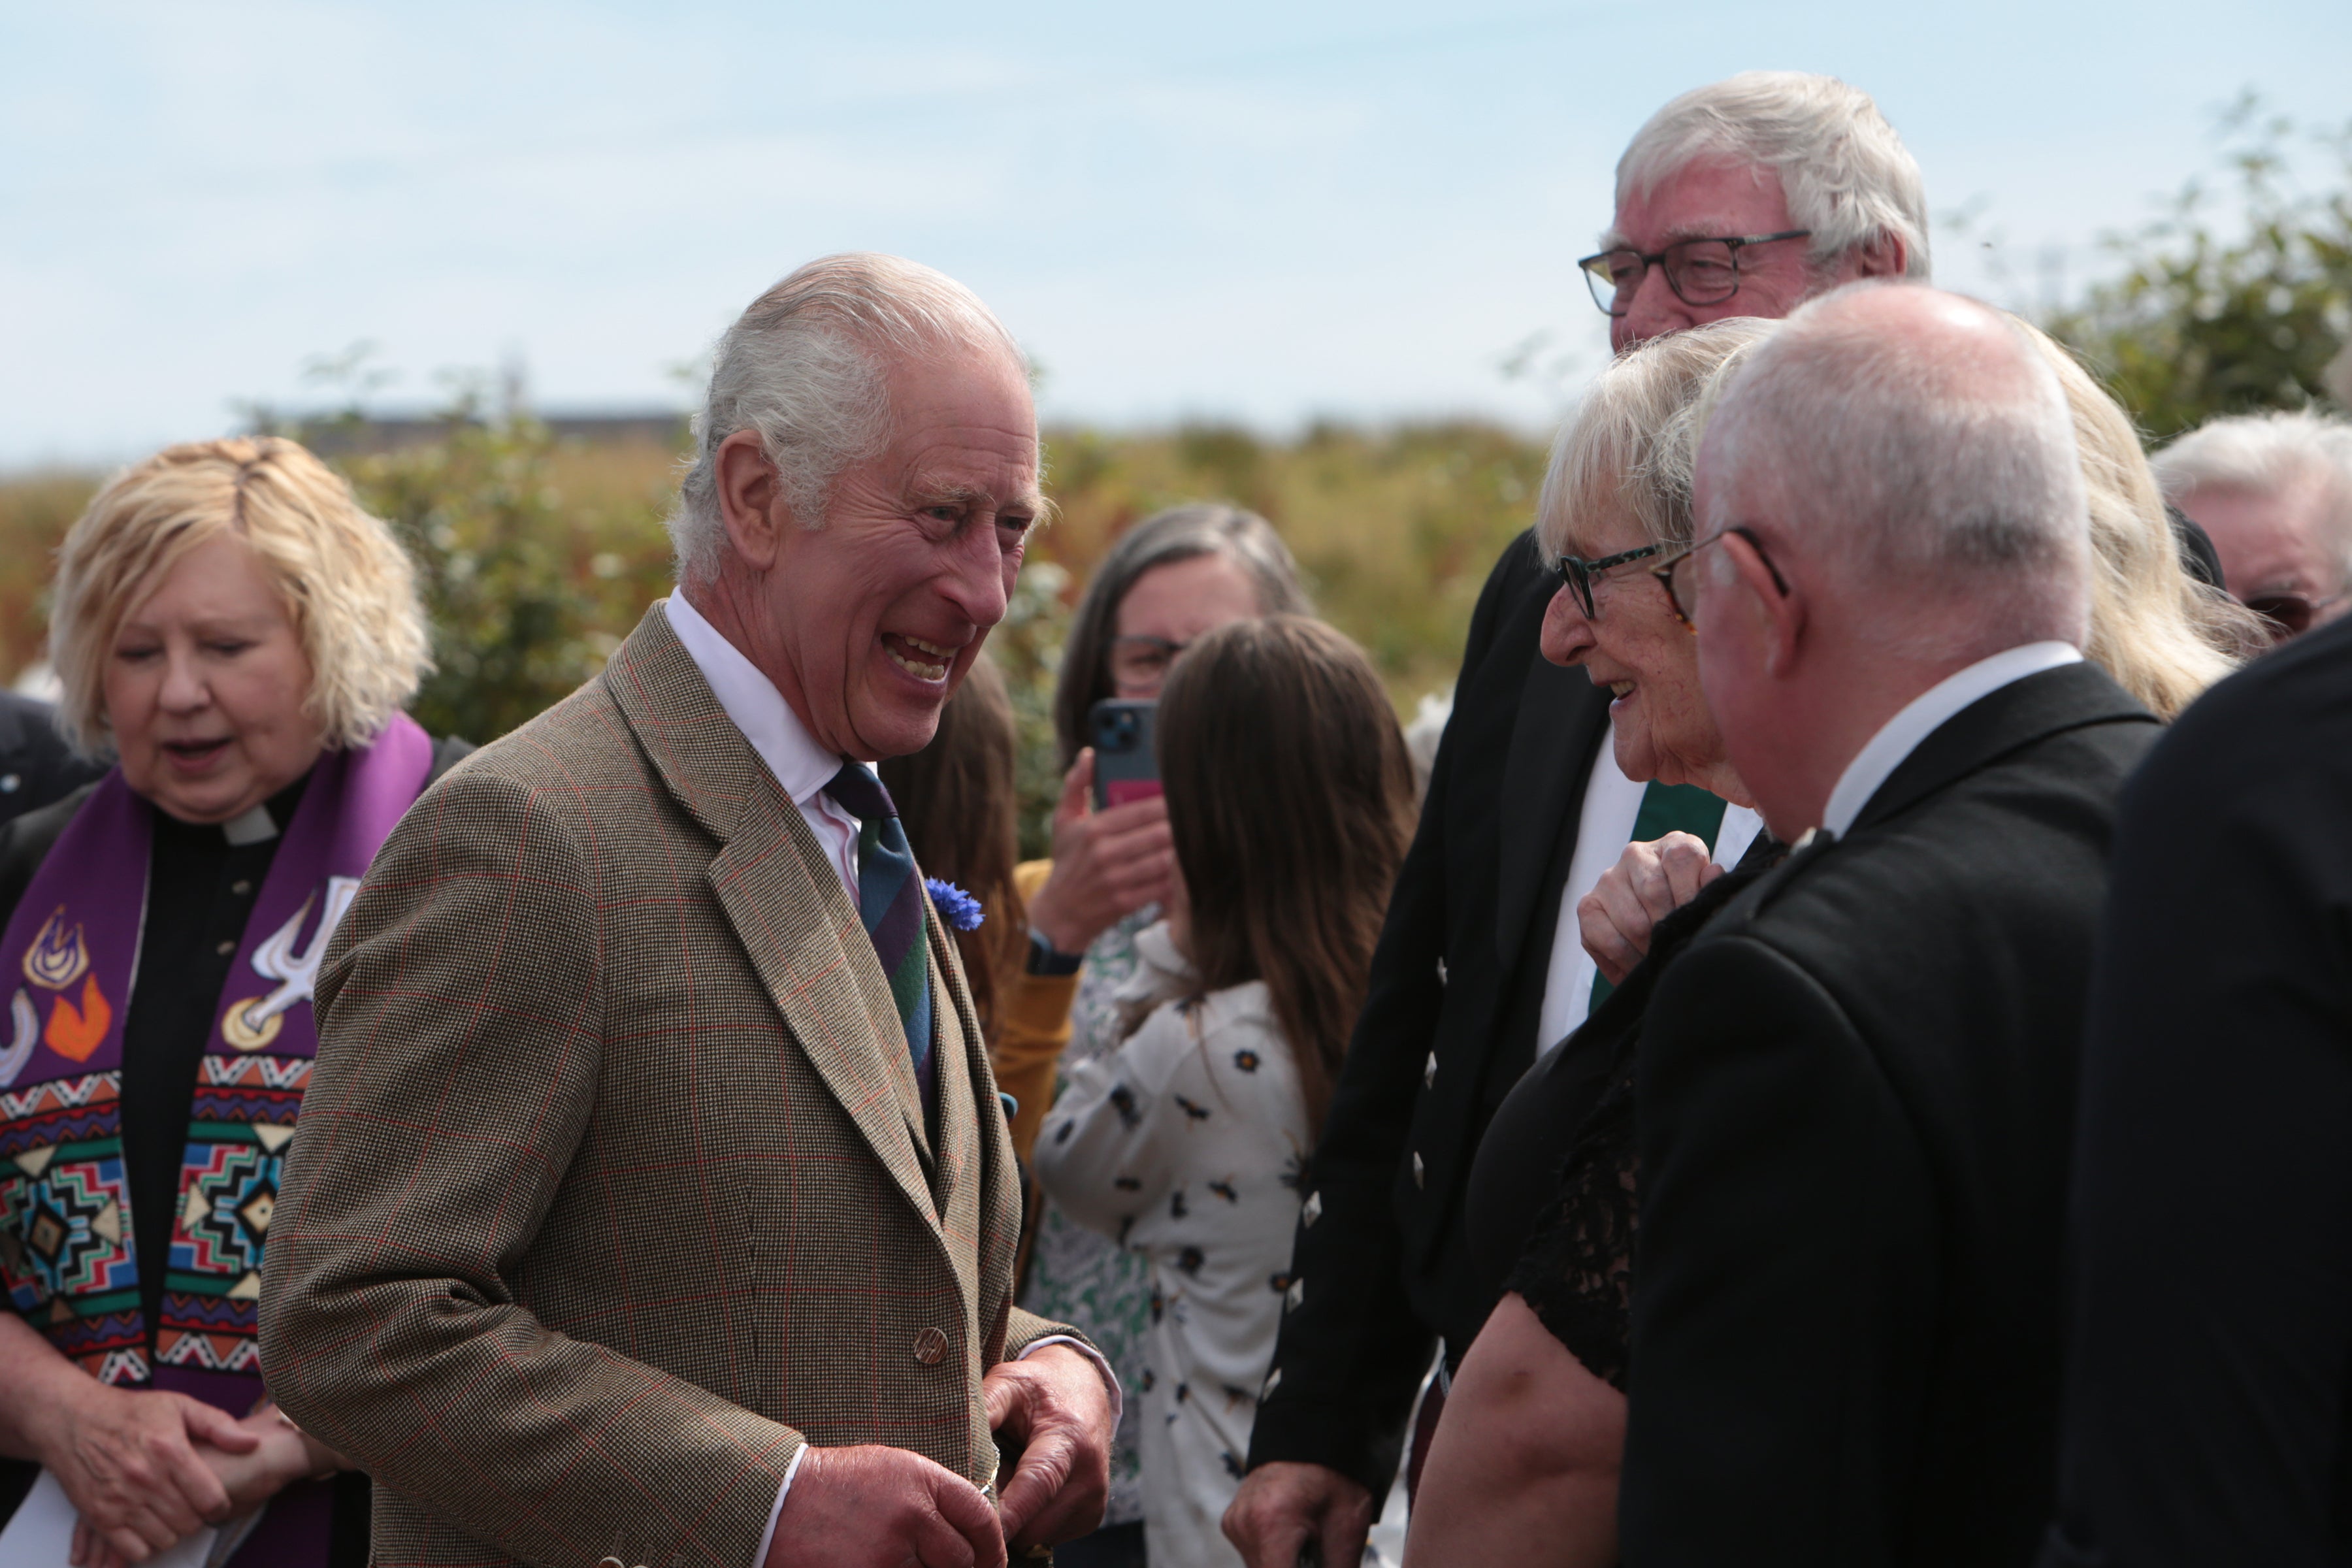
956, 907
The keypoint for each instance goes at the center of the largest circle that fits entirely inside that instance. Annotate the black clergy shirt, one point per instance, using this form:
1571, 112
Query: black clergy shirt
200, 892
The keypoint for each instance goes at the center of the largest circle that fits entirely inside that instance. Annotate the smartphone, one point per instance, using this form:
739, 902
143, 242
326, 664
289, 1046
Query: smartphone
1127, 764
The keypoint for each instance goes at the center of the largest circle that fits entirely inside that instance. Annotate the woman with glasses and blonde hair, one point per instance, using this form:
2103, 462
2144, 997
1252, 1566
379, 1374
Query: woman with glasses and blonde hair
239, 637
1524, 1466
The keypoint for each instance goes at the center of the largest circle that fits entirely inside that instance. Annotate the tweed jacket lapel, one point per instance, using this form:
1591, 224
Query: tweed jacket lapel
772, 881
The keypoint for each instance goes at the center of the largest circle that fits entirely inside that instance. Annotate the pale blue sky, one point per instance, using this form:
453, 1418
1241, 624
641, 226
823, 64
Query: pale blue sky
1263, 212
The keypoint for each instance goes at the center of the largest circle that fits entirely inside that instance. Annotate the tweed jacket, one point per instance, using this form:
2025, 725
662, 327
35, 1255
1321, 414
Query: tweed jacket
613, 1185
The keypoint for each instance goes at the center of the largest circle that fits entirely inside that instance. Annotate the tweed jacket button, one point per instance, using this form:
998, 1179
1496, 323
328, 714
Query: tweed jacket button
612, 1562
930, 1347
1429, 1071
1420, 1172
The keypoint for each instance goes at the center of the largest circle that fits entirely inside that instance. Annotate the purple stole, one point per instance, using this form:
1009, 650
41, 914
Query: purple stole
67, 960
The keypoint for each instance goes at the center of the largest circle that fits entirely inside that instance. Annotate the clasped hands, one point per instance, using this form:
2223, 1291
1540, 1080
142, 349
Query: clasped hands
145, 1469
876, 1507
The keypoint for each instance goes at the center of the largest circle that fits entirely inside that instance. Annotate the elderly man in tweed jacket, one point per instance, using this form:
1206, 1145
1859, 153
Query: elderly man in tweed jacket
653, 1204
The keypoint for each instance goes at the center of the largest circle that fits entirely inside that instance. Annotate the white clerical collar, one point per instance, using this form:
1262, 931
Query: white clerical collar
254, 827
1924, 715
753, 702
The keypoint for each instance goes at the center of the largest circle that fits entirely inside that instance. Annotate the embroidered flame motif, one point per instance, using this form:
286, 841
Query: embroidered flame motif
74, 1032
57, 958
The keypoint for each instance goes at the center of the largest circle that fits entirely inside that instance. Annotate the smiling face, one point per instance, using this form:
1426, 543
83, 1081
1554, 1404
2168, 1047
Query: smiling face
1711, 200
204, 687
1633, 646
868, 624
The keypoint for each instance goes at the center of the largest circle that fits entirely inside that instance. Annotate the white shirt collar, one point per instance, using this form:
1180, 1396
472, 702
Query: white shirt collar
758, 708
1924, 715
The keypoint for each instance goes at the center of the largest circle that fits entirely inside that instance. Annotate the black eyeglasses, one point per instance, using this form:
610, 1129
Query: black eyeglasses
1674, 572
1577, 574
1699, 272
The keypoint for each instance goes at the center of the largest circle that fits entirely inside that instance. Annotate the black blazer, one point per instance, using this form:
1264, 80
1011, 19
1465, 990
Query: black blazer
2209, 1379
36, 766
1856, 1099
1457, 983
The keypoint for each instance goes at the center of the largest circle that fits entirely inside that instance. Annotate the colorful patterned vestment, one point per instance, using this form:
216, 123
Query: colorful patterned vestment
67, 1256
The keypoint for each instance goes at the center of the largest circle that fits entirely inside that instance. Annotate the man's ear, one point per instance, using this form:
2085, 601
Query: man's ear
1780, 612
1883, 254
751, 499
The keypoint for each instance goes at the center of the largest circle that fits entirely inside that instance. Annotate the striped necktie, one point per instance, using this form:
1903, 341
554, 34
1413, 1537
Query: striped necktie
890, 905
1668, 808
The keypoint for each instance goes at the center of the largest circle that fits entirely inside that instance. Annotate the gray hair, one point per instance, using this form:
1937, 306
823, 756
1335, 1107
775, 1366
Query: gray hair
1904, 464
806, 365
1630, 446
2276, 454
1847, 175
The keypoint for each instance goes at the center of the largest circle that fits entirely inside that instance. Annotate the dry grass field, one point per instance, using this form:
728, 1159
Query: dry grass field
539, 554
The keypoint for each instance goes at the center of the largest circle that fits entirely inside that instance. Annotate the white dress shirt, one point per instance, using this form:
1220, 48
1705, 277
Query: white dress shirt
803, 767
1924, 715
775, 732
1612, 804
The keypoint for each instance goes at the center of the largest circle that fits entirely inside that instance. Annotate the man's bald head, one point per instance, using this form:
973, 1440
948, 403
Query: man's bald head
1917, 448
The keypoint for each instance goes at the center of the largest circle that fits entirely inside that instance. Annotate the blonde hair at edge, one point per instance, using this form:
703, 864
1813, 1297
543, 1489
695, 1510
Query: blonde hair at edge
2163, 635
1631, 447
349, 587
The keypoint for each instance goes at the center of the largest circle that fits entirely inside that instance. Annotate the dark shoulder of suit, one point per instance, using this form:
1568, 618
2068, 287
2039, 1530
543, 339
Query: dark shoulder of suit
2210, 1360
1448, 1026
36, 766
1857, 1095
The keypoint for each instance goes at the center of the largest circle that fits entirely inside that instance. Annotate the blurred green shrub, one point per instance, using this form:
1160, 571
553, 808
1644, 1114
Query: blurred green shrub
2203, 321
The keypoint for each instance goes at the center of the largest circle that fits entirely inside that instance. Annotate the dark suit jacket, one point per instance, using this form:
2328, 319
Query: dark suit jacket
36, 766
1856, 1102
1449, 1023
2210, 1381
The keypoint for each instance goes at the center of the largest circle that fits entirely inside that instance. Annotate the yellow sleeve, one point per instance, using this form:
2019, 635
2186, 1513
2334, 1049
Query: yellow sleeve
1032, 1026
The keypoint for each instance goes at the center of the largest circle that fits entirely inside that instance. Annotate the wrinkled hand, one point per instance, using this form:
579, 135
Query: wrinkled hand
872, 1507
1054, 1408
1282, 1506
129, 1464
1649, 883
282, 1455
1106, 864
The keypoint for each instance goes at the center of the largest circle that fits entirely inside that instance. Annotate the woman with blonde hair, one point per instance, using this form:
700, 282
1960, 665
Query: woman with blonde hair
2162, 634
239, 638
1524, 1465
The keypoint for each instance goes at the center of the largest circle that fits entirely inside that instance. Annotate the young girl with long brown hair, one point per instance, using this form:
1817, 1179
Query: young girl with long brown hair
1290, 800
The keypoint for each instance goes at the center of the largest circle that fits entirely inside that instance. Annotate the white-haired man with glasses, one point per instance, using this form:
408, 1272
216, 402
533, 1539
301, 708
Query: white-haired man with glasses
1742, 198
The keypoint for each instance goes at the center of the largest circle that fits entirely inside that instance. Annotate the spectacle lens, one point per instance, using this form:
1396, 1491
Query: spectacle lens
1614, 277
1703, 271
2291, 614
1681, 586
